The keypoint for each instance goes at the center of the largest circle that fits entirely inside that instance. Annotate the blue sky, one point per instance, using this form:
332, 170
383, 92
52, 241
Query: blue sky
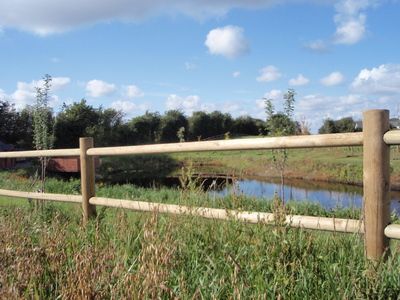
341, 57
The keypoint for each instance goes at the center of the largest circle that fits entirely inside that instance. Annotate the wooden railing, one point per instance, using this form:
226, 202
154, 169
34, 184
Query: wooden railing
376, 139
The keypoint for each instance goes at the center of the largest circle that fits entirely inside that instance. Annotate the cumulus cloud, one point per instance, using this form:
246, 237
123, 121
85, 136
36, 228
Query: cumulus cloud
98, 88
132, 91
228, 41
236, 74
129, 108
299, 80
318, 46
350, 20
332, 79
384, 79
271, 95
26, 91
269, 73
187, 104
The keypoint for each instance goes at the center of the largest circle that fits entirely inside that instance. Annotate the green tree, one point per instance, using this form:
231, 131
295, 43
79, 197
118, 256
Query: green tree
171, 122
220, 123
8, 122
146, 127
338, 126
43, 125
74, 121
329, 126
245, 125
199, 124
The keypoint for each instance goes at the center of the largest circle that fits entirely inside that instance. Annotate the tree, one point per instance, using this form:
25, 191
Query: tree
279, 124
329, 126
220, 123
74, 121
245, 125
171, 122
43, 125
8, 122
338, 126
199, 124
145, 127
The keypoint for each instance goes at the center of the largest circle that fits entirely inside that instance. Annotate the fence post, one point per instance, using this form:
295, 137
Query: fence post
87, 178
376, 181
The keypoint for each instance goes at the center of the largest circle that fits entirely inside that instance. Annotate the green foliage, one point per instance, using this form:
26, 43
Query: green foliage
246, 125
171, 122
181, 134
145, 128
123, 254
43, 122
338, 126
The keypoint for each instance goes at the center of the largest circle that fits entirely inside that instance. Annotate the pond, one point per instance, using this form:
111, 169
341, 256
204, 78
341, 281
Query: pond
329, 195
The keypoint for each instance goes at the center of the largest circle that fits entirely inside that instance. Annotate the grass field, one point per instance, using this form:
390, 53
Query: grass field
46, 253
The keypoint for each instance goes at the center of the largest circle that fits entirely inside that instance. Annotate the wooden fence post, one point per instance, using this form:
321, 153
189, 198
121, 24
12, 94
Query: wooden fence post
376, 181
87, 178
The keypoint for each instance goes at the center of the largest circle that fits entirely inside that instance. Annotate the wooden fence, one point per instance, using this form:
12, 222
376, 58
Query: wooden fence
375, 138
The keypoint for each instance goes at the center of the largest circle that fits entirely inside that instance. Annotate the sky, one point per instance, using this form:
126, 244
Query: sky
341, 57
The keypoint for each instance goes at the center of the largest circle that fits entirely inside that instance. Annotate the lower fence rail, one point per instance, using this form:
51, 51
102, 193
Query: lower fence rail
42, 196
392, 231
306, 222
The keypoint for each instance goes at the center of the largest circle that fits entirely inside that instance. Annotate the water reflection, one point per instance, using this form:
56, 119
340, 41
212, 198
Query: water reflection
328, 195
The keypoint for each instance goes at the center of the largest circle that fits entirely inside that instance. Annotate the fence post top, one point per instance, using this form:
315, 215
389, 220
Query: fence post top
85, 138
375, 111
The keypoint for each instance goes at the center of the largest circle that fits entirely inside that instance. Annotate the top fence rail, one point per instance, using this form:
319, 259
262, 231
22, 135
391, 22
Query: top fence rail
303, 141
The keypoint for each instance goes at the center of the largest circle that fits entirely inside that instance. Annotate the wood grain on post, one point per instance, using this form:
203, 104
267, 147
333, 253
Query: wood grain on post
87, 178
376, 166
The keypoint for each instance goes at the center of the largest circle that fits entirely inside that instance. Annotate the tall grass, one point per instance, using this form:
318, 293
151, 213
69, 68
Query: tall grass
48, 254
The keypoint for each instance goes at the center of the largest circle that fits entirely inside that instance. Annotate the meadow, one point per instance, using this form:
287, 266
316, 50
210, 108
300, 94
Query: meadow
47, 253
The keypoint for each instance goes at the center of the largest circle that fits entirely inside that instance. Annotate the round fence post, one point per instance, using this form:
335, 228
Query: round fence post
376, 181
87, 178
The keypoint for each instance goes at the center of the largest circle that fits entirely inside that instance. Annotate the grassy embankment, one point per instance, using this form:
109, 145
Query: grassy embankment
49, 254
338, 165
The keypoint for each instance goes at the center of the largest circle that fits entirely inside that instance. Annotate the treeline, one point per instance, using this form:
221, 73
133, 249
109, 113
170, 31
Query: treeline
109, 128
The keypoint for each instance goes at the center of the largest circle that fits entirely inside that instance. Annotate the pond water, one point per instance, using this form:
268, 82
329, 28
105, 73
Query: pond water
327, 194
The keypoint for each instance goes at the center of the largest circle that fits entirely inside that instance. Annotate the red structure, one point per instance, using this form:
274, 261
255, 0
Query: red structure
6, 163
67, 164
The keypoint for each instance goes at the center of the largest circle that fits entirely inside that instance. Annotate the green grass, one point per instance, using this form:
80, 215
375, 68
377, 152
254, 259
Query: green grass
49, 254
342, 165
46, 253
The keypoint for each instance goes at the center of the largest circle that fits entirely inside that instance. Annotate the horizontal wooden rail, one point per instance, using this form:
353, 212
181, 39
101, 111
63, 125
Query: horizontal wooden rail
393, 231
303, 141
40, 153
306, 222
42, 196
392, 137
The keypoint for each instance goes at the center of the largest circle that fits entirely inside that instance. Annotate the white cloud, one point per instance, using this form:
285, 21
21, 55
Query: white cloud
25, 94
98, 88
228, 41
190, 66
187, 104
350, 20
271, 95
333, 79
132, 91
384, 79
269, 73
236, 74
317, 46
46, 17
299, 80
128, 107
